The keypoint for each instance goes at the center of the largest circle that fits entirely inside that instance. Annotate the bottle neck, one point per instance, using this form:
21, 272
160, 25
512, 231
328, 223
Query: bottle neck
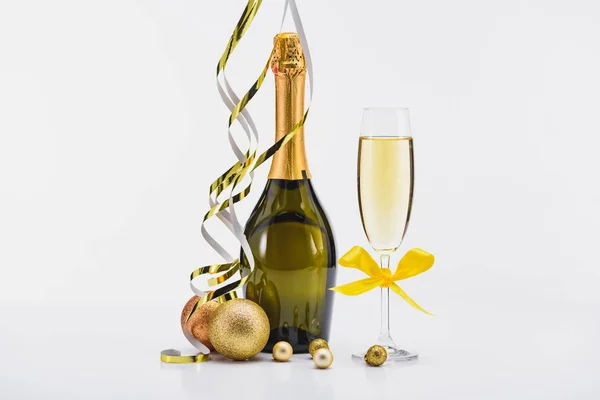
289, 162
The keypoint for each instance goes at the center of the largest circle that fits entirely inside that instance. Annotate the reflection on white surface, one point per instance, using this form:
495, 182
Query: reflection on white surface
261, 377
98, 352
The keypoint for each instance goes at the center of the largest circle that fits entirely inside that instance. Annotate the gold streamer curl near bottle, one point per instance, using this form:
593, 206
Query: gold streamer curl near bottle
288, 231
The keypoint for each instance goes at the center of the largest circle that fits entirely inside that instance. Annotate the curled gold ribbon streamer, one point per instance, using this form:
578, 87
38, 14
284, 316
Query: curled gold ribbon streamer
414, 262
225, 278
173, 356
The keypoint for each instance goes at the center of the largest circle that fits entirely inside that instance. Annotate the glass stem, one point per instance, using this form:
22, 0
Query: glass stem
384, 333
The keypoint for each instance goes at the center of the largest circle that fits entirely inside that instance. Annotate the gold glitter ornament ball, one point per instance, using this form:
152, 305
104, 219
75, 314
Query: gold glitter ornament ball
316, 345
282, 351
198, 322
376, 355
239, 329
323, 358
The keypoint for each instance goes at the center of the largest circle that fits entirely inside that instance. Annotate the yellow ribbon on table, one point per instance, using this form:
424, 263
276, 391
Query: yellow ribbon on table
172, 356
414, 262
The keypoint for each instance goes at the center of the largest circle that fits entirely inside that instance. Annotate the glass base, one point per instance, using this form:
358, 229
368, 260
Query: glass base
394, 354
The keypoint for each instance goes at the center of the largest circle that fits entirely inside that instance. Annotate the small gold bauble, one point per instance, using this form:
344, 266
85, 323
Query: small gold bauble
239, 329
376, 355
316, 345
282, 351
323, 358
198, 322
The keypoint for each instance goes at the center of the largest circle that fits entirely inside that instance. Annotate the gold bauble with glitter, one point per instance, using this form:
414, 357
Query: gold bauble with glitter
323, 358
239, 329
282, 351
316, 345
198, 322
376, 355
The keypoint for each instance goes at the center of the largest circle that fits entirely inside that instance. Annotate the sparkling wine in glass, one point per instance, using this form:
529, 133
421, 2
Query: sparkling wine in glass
385, 192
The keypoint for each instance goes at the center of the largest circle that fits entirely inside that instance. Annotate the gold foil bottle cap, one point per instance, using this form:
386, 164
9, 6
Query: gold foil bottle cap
289, 68
288, 58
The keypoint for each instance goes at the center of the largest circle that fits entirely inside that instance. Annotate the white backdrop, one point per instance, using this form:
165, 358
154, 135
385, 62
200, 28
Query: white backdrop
111, 130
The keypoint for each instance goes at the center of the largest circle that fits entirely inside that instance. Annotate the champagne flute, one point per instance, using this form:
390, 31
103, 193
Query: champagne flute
385, 191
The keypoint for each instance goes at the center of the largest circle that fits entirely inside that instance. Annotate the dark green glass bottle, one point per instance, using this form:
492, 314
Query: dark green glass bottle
288, 232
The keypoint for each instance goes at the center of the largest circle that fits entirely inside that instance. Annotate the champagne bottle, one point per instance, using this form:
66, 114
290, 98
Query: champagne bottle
288, 232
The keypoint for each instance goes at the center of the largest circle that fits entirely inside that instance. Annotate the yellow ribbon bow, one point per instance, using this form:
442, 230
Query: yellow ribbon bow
414, 262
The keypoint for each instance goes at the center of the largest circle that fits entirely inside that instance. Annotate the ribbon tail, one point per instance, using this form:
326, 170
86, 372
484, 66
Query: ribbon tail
172, 356
358, 287
407, 298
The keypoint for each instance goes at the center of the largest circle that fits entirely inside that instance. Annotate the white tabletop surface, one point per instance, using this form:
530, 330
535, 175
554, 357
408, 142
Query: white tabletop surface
111, 131
60, 353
